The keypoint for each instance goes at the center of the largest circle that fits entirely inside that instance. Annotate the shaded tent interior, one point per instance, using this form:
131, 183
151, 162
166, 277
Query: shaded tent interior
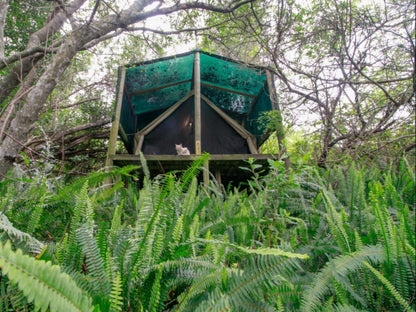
203, 101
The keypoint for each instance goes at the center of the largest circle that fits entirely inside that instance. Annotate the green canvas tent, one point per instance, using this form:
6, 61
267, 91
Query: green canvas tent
206, 102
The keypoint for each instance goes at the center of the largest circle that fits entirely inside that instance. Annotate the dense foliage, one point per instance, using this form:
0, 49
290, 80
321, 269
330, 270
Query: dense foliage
344, 70
297, 240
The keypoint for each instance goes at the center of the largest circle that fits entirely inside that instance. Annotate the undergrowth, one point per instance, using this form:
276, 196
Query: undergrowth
293, 240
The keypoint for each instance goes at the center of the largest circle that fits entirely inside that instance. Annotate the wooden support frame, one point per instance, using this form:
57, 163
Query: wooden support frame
205, 173
251, 139
139, 137
116, 122
209, 85
197, 88
129, 100
160, 87
122, 133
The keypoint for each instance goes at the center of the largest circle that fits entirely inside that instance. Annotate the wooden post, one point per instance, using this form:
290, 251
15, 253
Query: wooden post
197, 103
197, 108
116, 122
206, 172
218, 176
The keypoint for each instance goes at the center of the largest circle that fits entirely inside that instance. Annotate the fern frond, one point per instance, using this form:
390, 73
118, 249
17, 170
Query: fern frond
338, 269
155, 294
260, 271
216, 302
116, 221
18, 237
199, 286
192, 171
71, 252
43, 283
36, 215
176, 234
61, 248
95, 263
344, 308
336, 224
390, 287
383, 217
263, 251
67, 193
116, 299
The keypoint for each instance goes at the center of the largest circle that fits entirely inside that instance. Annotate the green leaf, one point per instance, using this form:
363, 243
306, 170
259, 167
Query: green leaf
43, 283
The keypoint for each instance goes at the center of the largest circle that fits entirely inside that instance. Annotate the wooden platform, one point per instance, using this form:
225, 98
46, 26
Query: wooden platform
225, 168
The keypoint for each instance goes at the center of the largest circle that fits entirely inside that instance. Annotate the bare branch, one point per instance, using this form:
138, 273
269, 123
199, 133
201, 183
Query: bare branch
6, 61
79, 103
94, 11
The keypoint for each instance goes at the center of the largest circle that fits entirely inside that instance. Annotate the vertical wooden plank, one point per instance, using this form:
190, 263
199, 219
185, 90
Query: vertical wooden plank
218, 176
197, 97
206, 172
116, 122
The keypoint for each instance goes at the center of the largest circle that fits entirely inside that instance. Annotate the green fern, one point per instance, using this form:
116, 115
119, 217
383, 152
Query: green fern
155, 294
336, 224
191, 172
43, 283
94, 262
339, 269
390, 287
247, 289
116, 299
19, 238
36, 215
176, 234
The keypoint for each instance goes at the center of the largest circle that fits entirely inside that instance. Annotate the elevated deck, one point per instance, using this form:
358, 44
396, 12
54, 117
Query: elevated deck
225, 168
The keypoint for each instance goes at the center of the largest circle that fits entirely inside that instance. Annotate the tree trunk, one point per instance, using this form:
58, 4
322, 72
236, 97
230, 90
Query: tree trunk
23, 123
3, 13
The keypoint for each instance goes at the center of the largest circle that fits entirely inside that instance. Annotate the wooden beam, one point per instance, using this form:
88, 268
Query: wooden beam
164, 115
160, 87
116, 122
206, 173
252, 146
129, 100
205, 84
218, 176
138, 142
123, 134
197, 88
213, 157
